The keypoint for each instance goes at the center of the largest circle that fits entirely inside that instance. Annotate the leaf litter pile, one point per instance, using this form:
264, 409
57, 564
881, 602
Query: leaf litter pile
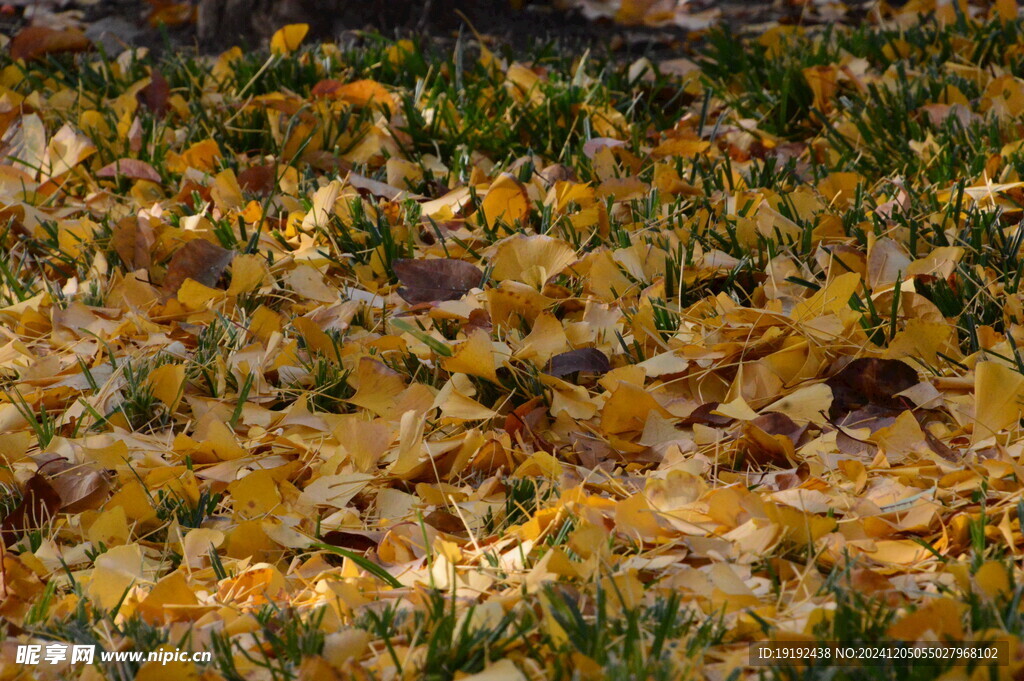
386, 363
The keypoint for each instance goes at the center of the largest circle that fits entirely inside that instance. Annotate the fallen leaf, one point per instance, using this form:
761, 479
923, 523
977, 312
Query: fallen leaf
531, 259
585, 359
198, 260
171, 13
130, 168
155, 96
35, 42
870, 381
258, 180
360, 93
81, 488
425, 281
39, 503
998, 392
506, 201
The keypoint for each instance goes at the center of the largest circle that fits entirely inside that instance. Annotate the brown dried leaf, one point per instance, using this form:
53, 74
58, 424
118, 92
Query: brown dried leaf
775, 423
258, 180
131, 168
156, 95
354, 540
81, 488
584, 359
445, 522
706, 415
426, 281
198, 260
39, 502
132, 242
869, 380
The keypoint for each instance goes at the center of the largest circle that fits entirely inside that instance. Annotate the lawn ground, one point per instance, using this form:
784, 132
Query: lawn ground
410, 360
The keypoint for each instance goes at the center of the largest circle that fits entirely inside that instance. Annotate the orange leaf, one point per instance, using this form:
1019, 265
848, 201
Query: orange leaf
171, 14
358, 93
33, 42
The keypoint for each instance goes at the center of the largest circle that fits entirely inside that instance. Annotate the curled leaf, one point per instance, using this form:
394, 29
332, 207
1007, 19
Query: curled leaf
80, 487
39, 502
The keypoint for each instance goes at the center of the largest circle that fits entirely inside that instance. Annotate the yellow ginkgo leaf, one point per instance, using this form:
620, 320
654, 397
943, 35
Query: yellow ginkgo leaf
110, 528
288, 38
117, 569
366, 92
172, 590
202, 156
377, 386
546, 339
822, 81
828, 300
248, 272
410, 447
627, 409
531, 259
506, 202
940, 618
993, 580
456, 401
197, 543
474, 357
167, 382
998, 391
